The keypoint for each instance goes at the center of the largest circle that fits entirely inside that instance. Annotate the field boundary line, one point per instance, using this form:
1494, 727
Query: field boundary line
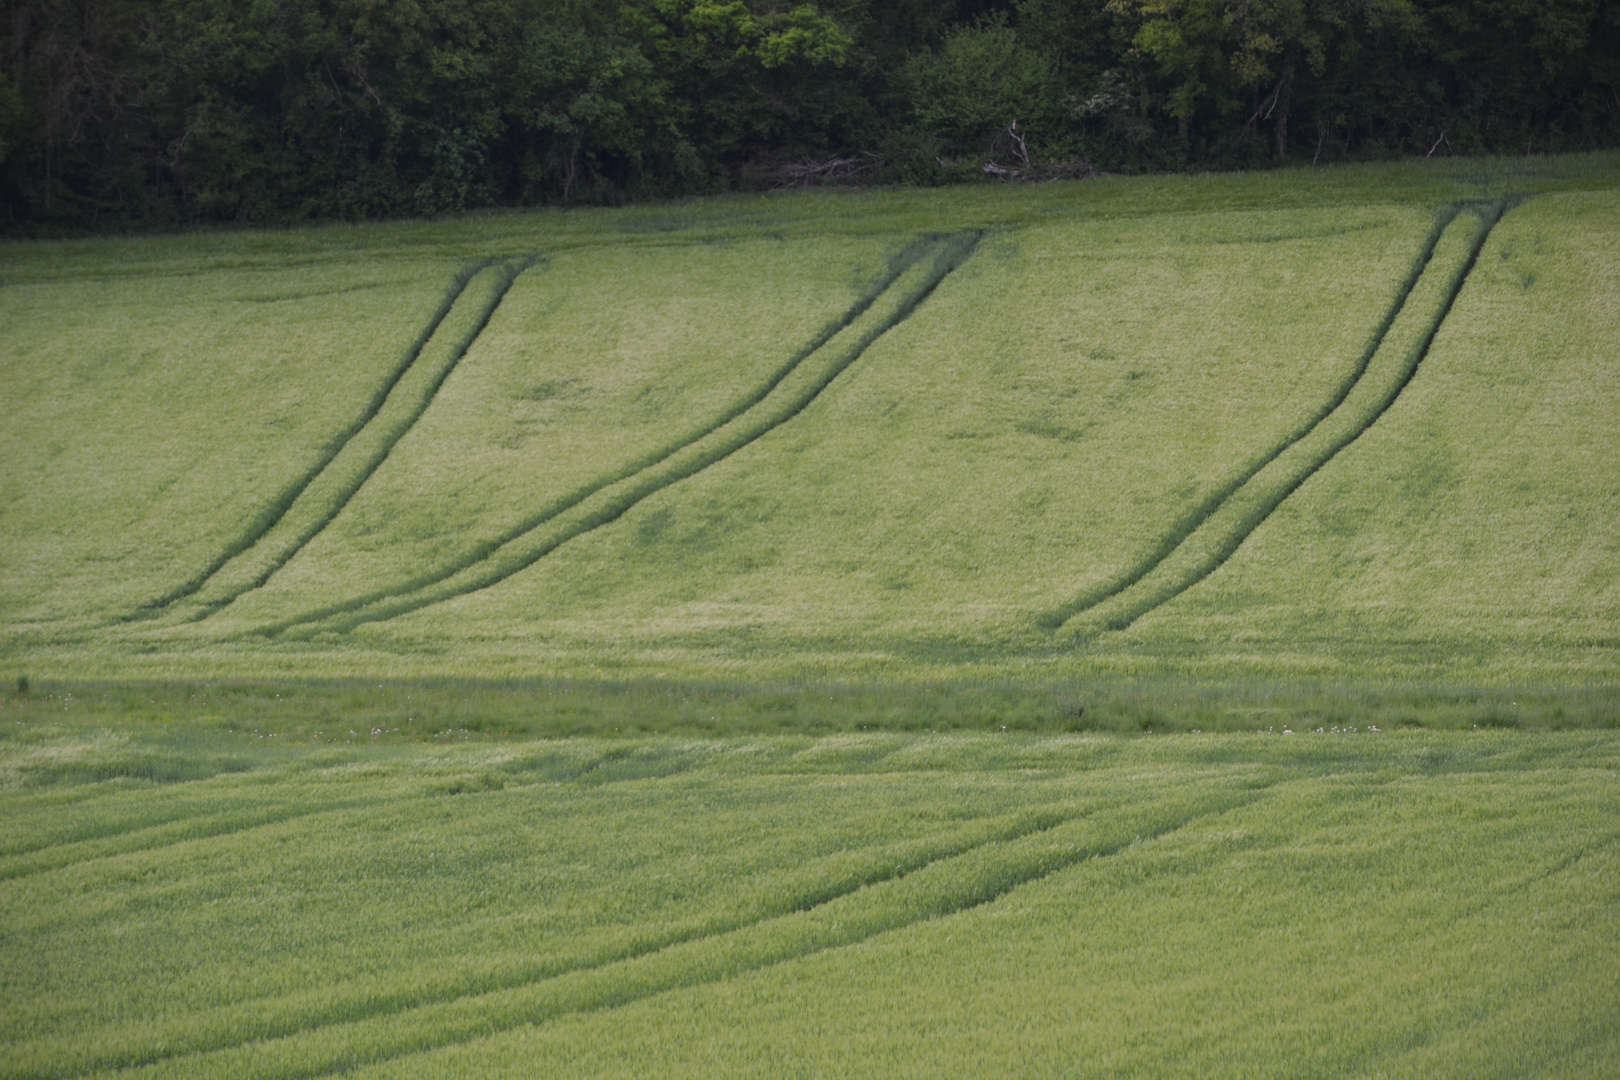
983, 832
288, 502
1488, 214
1190, 521
948, 251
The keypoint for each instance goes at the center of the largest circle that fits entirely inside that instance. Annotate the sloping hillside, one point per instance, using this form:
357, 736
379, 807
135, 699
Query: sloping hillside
1360, 421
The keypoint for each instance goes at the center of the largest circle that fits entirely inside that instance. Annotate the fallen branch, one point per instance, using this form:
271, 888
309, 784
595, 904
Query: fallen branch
1018, 140
829, 170
1077, 169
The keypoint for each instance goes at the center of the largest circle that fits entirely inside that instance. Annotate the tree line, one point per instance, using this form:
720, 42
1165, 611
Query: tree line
150, 113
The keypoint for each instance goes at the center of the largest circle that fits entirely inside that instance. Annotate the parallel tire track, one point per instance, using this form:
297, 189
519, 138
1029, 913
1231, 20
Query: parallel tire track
393, 428
508, 274
272, 513
158, 837
1139, 577
1190, 521
898, 264
187, 824
944, 886
770, 406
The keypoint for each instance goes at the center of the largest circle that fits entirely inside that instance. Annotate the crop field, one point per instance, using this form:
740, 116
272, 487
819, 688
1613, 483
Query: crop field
1351, 903
1230, 425
1058, 630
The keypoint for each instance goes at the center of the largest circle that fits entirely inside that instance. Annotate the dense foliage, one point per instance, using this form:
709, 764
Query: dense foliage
117, 112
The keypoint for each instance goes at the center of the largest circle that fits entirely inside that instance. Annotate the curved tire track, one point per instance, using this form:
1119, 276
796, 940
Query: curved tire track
975, 875
883, 863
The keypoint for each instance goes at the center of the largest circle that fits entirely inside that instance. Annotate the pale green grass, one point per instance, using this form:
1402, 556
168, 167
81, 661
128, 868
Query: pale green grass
1472, 526
1033, 427
775, 439
1336, 904
151, 395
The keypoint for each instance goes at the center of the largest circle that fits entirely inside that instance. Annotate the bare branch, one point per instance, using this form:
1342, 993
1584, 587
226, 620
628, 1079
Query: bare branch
837, 169
1256, 118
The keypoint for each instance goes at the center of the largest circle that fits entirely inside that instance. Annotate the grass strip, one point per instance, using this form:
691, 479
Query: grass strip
824, 880
1402, 349
278, 507
59, 773
936, 889
780, 402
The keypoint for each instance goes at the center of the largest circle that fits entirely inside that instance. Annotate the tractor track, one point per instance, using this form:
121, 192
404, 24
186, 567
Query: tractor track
745, 422
295, 497
1199, 520
951, 879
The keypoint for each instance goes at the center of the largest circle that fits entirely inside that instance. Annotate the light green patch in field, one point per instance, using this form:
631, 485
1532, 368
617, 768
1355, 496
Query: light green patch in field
1348, 903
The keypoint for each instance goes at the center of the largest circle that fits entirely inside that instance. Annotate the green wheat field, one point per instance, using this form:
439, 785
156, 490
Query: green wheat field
1127, 628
